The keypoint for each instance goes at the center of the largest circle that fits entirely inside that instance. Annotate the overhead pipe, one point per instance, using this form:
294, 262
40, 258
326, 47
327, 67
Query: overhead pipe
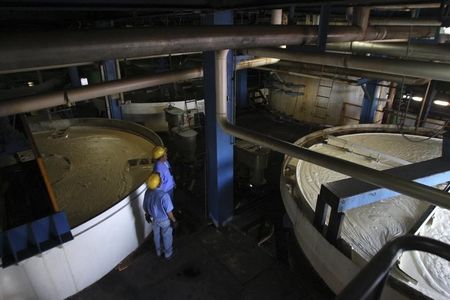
431, 4
411, 51
73, 95
293, 66
26, 50
427, 70
378, 21
309, 75
361, 17
372, 176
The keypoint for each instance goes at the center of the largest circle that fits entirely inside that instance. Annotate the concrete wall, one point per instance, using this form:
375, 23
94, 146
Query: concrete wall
304, 107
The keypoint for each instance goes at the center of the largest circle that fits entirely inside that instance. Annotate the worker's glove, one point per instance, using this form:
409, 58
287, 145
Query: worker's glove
148, 218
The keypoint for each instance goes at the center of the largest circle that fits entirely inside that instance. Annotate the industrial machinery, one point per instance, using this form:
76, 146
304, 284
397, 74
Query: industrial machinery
98, 168
252, 161
340, 223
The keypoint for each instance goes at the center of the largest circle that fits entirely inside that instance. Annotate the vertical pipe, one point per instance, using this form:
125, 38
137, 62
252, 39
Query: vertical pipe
422, 106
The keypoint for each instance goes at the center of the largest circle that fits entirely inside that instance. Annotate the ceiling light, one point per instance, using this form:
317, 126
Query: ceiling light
441, 102
30, 83
417, 98
405, 96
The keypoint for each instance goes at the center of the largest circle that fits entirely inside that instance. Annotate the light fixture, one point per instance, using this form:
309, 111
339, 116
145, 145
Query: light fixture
406, 96
445, 30
441, 102
417, 98
84, 81
30, 83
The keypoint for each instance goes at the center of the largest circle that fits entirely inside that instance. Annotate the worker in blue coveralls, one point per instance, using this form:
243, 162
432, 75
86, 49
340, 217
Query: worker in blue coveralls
162, 166
158, 207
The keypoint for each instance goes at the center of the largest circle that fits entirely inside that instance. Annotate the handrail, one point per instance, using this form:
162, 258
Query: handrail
370, 279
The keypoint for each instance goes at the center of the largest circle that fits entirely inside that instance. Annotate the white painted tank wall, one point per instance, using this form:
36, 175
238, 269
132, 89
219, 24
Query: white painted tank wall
302, 107
98, 246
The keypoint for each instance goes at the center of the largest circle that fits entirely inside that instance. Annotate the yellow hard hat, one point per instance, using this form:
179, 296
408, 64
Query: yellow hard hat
158, 152
153, 181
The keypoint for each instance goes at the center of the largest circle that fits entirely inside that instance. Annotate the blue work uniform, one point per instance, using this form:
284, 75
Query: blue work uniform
158, 204
167, 181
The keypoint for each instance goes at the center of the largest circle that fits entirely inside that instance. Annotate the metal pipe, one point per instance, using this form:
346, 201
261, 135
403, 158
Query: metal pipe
255, 63
292, 66
31, 103
26, 50
309, 75
435, 4
361, 17
418, 69
412, 51
371, 278
372, 176
70, 96
422, 106
377, 21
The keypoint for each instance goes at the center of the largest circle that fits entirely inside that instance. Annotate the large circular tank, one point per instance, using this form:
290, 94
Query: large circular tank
98, 169
365, 229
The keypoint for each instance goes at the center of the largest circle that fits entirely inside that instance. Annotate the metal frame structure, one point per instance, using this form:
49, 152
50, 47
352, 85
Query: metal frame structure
343, 195
369, 282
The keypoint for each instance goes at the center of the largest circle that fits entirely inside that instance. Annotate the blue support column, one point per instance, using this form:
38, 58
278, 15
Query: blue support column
219, 145
370, 102
110, 73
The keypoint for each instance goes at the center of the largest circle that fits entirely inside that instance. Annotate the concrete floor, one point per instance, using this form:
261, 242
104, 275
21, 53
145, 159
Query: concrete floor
209, 264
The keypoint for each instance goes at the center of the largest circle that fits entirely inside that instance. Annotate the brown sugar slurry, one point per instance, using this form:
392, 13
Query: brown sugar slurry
89, 170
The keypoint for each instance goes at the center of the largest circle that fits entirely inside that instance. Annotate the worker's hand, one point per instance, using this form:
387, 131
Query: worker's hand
174, 224
148, 218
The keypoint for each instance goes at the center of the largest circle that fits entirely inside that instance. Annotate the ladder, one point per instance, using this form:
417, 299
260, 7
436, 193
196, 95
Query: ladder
322, 101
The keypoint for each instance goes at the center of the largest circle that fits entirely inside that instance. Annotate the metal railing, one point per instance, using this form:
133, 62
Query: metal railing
369, 282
